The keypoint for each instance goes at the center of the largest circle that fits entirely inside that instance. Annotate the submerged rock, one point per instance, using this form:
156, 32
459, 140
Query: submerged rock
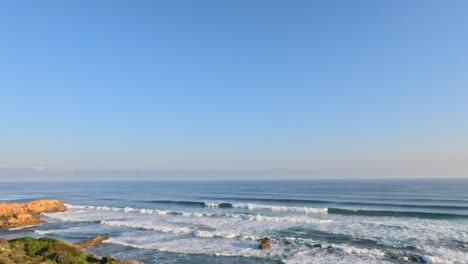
14, 215
92, 242
264, 243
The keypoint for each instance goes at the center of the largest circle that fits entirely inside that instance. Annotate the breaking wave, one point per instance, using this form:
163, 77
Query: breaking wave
286, 219
394, 213
280, 208
275, 208
352, 203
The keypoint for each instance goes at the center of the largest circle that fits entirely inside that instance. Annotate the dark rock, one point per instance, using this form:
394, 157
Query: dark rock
264, 243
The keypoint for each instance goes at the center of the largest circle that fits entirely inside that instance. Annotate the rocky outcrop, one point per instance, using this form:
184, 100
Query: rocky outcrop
98, 240
13, 215
127, 261
91, 242
19, 220
45, 206
264, 243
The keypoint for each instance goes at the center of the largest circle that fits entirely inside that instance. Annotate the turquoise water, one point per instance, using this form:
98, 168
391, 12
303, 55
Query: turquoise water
316, 221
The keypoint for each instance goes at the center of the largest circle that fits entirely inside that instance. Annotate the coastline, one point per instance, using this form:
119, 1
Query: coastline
14, 216
193, 222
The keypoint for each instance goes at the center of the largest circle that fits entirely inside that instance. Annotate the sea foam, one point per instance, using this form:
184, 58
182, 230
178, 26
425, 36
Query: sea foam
277, 208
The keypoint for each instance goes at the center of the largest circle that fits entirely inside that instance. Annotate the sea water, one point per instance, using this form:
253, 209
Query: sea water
314, 221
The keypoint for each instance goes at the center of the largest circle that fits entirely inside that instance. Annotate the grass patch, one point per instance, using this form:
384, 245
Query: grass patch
28, 250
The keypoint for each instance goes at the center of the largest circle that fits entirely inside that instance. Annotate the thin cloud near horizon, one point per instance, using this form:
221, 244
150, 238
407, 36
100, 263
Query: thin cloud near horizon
346, 169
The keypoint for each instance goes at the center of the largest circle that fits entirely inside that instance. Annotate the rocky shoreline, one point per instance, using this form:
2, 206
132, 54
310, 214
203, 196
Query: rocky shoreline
47, 250
29, 250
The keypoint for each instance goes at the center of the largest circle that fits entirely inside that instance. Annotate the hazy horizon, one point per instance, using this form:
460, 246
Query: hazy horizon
233, 90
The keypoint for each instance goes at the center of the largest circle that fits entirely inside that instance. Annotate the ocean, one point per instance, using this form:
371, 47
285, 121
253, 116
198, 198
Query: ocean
313, 221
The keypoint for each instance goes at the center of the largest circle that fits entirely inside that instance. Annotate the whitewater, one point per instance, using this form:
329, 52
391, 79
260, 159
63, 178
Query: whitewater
334, 221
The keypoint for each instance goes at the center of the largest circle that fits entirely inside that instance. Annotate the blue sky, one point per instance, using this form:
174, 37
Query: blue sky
309, 88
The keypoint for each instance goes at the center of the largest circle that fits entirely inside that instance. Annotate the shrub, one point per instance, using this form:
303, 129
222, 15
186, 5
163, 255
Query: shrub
29, 250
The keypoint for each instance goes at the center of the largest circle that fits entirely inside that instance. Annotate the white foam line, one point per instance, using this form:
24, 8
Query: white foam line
251, 206
117, 209
19, 228
46, 232
285, 219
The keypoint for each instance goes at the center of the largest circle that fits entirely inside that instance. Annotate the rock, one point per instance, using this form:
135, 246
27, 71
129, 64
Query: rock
45, 206
22, 219
109, 259
15, 215
91, 242
264, 243
127, 261
11, 209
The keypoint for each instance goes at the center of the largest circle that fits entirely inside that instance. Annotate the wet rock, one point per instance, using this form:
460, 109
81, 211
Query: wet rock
111, 260
264, 243
419, 259
127, 261
92, 242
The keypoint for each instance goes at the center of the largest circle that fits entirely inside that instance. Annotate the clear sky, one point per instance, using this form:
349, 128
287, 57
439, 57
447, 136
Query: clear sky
272, 88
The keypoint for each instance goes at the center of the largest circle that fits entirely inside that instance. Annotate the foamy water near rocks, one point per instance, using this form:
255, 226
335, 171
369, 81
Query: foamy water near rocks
14, 215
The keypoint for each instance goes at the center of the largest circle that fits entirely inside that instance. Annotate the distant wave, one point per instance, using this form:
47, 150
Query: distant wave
219, 205
280, 208
253, 207
118, 209
329, 202
249, 206
170, 202
288, 219
190, 203
266, 200
394, 213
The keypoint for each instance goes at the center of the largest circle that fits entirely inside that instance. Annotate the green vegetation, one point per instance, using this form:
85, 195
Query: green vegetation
29, 250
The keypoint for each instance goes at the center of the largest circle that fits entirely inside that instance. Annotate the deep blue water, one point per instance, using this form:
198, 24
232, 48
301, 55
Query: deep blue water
316, 221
